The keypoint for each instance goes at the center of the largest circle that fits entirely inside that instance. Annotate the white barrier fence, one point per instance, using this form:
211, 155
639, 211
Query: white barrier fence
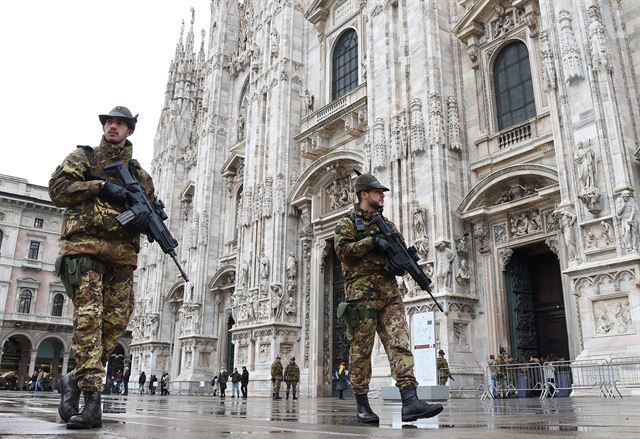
606, 378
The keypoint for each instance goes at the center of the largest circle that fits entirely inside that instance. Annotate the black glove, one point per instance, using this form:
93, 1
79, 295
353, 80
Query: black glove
273, 380
140, 222
114, 192
381, 244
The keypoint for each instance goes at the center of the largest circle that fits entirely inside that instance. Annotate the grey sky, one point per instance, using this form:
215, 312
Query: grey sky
66, 61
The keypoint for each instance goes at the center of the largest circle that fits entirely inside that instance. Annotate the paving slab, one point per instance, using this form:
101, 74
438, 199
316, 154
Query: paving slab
153, 416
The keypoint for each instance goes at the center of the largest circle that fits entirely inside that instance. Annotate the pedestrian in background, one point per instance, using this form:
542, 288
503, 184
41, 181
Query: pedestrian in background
235, 383
141, 381
125, 381
164, 383
276, 378
223, 378
292, 377
340, 377
244, 382
152, 384
214, 385
443, 368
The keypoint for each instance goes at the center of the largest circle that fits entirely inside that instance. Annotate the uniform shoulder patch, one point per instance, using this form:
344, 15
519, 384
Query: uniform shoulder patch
338, 228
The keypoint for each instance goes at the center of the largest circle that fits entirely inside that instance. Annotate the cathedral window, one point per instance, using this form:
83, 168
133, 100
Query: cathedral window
513, 86
345, 64
25, 301
58, 303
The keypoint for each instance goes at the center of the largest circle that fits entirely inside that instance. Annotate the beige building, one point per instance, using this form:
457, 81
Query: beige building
36, 316
506, 131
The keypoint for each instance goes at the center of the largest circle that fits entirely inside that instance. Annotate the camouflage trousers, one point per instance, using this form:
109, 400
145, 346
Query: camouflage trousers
103, 305
391, 326
292, 385
275, 387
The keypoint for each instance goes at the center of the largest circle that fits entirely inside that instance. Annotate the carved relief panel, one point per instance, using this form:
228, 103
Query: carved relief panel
612, 316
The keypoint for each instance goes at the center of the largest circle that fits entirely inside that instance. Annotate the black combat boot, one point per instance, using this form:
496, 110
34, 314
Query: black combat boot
414, 409
365, 414
91, 415
287, 395
69, 396
294, 395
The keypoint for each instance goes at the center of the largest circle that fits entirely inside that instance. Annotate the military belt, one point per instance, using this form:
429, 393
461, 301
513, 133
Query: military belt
70, 269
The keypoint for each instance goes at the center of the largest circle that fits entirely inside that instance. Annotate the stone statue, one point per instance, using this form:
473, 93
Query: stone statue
277, 301
567, 219
606, 232
585, 166
240, 127
290, 306
264, 268
627, 212
308, 100
445, 257
292, 266
419, 221
244, 275
462, 272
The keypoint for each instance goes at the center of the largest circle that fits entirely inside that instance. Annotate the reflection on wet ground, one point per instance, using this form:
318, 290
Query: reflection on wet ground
137, 416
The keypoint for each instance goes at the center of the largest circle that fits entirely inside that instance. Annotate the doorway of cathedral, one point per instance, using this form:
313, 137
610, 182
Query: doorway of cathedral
340, 346
537, 319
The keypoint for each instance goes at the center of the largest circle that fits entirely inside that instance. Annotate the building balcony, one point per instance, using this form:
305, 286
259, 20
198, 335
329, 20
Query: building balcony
34, 320
348, 112
32, 263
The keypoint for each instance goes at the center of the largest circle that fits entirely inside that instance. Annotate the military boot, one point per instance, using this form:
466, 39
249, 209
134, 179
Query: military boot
294, 395
91, 415
365, 414
69, 396
287, 396
414, 409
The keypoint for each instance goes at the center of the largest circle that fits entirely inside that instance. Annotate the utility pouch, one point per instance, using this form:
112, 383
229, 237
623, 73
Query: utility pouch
70, 268
346, 313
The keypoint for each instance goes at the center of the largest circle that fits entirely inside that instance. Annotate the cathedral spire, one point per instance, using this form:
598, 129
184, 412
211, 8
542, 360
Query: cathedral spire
179, 45
189, 43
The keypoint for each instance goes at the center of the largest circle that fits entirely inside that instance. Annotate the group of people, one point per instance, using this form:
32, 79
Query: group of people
118, 384
290, 375
239, 383
164, 383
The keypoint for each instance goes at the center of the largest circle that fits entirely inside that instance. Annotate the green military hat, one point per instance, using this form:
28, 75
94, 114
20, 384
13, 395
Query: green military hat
120, 112
366, 182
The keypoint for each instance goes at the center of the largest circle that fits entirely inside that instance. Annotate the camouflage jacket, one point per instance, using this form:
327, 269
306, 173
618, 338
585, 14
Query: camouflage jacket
89, 223
443, 367
276, 370
292, 372
363, 266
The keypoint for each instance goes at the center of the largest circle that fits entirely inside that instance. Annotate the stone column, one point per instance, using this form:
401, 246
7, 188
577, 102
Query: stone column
65, 362
32, 361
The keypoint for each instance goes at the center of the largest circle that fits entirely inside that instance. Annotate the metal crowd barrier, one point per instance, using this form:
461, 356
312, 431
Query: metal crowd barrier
467, 382
625, 373
568, 376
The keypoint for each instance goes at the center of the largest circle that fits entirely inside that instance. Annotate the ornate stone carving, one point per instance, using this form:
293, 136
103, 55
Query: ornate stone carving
399, 137
462, 268
453, 125
193, 231
379, 153
279, 197
277, 301
525, 224
417, 126
264, 273
204, 230
308, 101
598, 44
460, 335
306, 258
553, 245
504, 256
605, 234
627, 215
264, 353
504, 23
444, 259
366, 151
569, 51
500, 234
243, 354
258, 200
435, 119
473, 54
612, 316
481, 232
420, 229
339, 193
247, 201
549, 68
267, 198
240, 127
585, 160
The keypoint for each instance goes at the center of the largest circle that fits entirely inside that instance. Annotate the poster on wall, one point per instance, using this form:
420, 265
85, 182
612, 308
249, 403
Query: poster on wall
424, 348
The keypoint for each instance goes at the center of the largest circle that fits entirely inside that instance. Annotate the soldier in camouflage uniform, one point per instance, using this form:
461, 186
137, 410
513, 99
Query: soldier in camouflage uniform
276, 378
98, 259
443, 368
292, 377
376, 304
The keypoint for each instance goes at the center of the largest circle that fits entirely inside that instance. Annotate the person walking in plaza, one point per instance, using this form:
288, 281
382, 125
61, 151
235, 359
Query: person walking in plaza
152, 384
40, 380
340, 377
141, 380
164, 383
443, 368
118, 382
223, 378
292, 377
276, 378
493, 374
125, 381
98, 258
375, 303
235, 383
244, 382
214, 385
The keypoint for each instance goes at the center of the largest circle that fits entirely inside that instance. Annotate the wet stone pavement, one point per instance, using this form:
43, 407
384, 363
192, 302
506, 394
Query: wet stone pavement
24, 415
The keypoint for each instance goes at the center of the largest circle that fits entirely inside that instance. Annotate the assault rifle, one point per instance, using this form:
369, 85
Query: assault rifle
140, 204
403, 259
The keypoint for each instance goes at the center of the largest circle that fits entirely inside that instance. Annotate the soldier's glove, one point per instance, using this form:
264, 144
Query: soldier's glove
114, 193
273, 380
381, 244
140, 222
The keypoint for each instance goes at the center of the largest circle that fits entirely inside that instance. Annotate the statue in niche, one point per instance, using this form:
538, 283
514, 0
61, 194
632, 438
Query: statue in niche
240, 126
419, 220
626, 212
567, 219
290, 306
445, 258
308, 100
462, 272
590, 239
264, 268
586, 166
277, 295
604, 324
623, 317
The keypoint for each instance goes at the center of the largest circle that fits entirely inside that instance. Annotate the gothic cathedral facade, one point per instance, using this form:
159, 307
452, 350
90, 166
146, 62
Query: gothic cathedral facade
506, 130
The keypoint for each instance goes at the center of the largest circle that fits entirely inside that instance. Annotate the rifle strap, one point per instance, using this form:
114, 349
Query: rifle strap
359, 225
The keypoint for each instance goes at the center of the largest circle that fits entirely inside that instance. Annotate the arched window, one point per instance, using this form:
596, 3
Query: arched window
513, 86
345, 64
58, 303
25, 301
